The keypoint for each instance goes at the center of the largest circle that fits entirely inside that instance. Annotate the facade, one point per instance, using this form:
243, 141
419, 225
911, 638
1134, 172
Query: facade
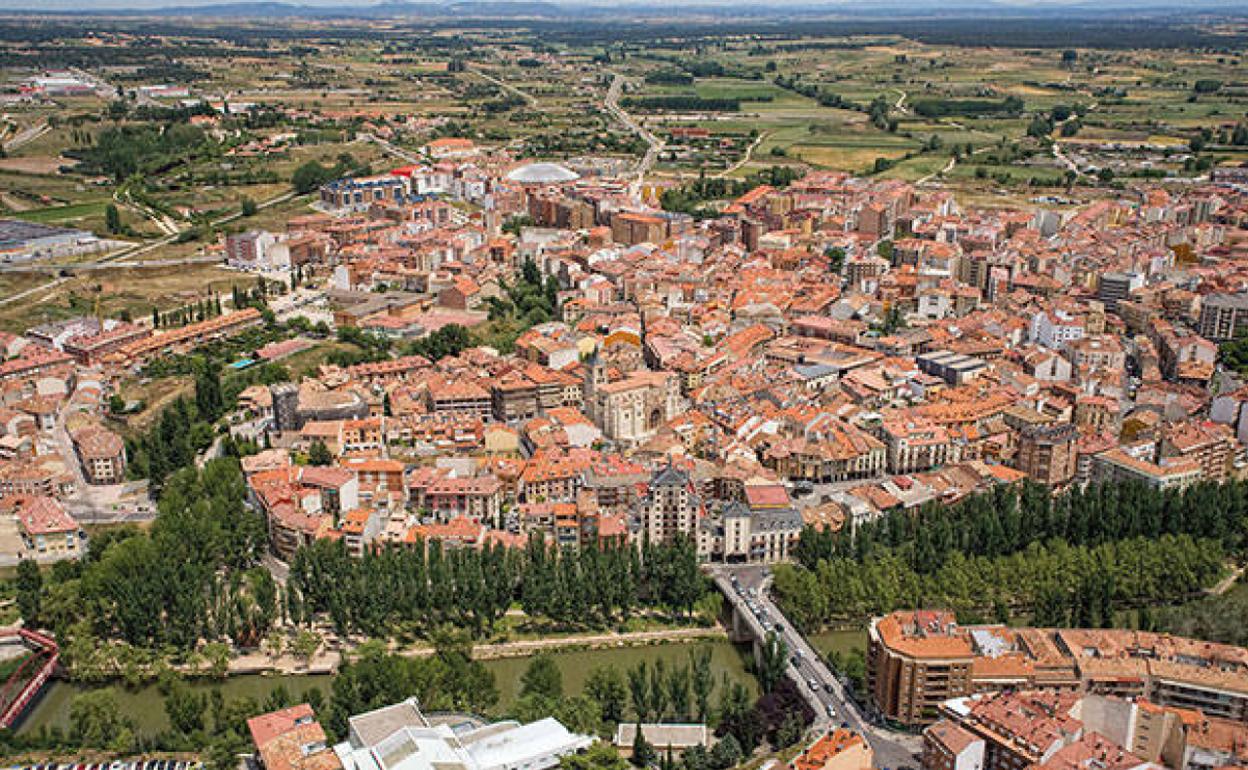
44, 526
407, 740
1115, 287
953, 368
670, 507
1118, 465
102, 455
1048, 454
633, 409
1209, 445
917, 660
764, 528
188, 337
358, 194
917, 445
1045, 729
1223, 317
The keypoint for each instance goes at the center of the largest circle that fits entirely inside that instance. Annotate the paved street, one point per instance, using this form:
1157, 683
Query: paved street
807, 668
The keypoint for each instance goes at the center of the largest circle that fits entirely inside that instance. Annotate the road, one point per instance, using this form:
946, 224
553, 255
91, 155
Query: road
26, 136
143, 248
526, 96
1057, 145
163, 221
612, 105
832, 703
95, 504
901, 102
953, 161
1225, 583
749, 151
21, 295
103, 88
398, 152
74, 267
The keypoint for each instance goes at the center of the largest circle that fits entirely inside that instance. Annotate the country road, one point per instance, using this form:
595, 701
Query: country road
528, 97
26, 136
1225, 583
612, 105
901, 101
745, 158
398, 152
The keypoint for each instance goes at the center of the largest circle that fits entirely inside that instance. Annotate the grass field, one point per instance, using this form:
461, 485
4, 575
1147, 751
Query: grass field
125, 291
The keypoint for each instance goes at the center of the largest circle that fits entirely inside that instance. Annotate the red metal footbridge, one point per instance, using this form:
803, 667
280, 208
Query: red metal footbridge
36, 667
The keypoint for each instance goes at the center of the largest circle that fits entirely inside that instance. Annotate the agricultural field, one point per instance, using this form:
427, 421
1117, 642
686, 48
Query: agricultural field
990, 123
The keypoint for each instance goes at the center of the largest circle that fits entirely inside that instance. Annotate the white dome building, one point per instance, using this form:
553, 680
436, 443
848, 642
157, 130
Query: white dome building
542, 174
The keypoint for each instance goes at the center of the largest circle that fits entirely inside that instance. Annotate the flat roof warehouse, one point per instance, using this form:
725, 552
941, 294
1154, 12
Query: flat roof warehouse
18, 237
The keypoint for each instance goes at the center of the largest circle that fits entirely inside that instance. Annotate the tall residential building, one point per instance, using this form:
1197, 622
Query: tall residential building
1047, 453
1115, 287
670, 507
1224, 316
917, 660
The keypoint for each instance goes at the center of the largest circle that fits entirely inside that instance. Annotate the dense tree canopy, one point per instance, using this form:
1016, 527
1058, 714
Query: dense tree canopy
1071, 558
420, 588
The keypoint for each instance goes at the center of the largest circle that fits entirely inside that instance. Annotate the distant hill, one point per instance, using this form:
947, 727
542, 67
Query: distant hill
631, 10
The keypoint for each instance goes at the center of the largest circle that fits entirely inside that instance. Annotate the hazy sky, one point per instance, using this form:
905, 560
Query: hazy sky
89, 5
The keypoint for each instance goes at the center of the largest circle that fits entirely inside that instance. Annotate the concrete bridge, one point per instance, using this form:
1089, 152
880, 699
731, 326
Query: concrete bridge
831, 703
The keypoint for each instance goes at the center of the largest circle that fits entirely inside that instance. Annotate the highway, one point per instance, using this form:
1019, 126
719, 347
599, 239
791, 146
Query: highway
831, 702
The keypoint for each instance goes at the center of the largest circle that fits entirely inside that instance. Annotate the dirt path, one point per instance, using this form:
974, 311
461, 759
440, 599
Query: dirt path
749, 151
1225, 583
327, 661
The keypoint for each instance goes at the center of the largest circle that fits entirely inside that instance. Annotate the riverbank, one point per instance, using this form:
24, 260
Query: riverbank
327, 661
145, 704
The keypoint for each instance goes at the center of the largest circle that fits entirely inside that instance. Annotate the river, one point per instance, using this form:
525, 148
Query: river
145, 705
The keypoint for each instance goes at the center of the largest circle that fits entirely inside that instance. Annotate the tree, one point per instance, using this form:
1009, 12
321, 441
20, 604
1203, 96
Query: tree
790, 730
185, 708
305, 646
605, 685
319, 454
542, 678
726, 753
29, 591
644, 754
599, 756
96, 720
639, 690
248, 207
700, 665
310, 176
112, 219
773, 660
836, 259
